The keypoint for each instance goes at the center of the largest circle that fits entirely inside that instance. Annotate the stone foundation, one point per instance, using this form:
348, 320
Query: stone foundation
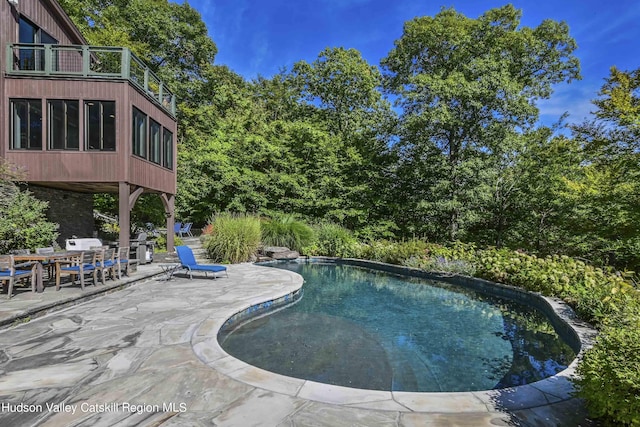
72, 211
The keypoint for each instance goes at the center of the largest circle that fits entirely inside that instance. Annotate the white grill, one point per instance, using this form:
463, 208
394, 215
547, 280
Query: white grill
81, 244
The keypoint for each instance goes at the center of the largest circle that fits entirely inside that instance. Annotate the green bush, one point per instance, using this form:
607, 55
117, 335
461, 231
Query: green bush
161, 242
609, 374
333, 240
23, 224
285, 230
393, 252
235, 238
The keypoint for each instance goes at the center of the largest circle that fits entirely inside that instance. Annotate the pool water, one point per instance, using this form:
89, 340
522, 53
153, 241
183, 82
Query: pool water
367, 329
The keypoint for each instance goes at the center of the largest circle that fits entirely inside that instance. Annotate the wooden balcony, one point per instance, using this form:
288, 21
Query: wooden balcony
88, 62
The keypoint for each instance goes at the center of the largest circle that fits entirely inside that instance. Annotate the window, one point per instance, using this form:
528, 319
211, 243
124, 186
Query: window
100, 125
63, 121
167, 149
139, 138
28, 32
154, 141
26, 124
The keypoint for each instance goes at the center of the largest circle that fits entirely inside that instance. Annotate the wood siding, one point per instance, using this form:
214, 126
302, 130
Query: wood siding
91, 166
85, 167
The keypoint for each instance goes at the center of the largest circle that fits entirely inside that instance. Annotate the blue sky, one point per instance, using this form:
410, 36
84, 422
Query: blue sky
258, 37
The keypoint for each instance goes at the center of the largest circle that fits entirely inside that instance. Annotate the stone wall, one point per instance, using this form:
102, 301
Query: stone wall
73, 211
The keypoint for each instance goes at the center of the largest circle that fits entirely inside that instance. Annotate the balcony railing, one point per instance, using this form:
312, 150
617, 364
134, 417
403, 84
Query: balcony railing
55, 60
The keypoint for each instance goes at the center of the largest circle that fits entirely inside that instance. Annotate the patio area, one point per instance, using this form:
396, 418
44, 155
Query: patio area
143, 351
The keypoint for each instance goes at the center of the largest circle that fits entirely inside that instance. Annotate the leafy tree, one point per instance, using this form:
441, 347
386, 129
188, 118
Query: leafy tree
606, 199
464, 86
23, 222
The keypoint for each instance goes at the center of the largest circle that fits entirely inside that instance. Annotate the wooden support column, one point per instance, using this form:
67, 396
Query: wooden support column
124, 213
169, 200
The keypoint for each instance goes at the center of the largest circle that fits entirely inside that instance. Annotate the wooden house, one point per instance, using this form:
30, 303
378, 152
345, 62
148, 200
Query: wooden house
83, 119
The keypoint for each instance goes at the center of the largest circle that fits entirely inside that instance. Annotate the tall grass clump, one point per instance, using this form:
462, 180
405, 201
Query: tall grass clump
234, 237
285, 230
333, 240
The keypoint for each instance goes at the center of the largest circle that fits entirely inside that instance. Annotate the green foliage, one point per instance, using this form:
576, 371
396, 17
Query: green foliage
23, 222
235, 238
465, 86
285, 230
393, 252
161, 242
333, 240
609, 378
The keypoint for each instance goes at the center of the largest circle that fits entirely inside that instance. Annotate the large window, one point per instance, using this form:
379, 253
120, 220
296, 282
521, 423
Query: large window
139, 137
167, 149
28, 32
100, 125
26, 124
154, 141
63, 123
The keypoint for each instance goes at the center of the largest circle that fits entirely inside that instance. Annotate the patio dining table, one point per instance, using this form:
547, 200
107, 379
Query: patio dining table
41, 259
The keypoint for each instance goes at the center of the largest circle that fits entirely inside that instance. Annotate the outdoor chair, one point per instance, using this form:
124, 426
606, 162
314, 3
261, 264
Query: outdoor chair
108, 264
104, 261
10, 272
122, 261
176, 228
186, 229
49, 264
189, 263
77, 265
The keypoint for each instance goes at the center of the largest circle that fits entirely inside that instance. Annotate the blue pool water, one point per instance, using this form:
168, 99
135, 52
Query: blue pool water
367, 329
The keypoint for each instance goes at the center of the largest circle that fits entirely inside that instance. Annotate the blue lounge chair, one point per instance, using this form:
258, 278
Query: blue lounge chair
176, 228
188, 262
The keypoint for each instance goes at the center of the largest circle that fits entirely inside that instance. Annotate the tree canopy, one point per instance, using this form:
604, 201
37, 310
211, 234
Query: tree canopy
461, 154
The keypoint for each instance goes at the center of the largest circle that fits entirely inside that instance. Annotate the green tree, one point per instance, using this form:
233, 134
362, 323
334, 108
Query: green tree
464, 86
23, 222
607, 197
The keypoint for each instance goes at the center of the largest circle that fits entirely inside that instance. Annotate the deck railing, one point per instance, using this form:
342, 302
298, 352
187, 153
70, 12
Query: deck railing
55, 60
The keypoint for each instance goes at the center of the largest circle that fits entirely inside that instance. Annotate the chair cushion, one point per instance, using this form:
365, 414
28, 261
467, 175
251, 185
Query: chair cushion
206, 267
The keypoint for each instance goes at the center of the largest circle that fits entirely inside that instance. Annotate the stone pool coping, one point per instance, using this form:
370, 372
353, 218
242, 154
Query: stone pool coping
539, 394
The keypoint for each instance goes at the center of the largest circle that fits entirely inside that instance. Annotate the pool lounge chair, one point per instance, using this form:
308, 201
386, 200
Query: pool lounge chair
188, 262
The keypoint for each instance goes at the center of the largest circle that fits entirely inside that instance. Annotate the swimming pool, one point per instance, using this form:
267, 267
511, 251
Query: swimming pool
368, 329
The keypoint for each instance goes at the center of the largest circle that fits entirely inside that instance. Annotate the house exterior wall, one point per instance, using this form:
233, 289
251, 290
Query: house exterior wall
71, 210
63, 172
46, 167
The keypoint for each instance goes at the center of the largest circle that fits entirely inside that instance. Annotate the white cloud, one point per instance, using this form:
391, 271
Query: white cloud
574, 98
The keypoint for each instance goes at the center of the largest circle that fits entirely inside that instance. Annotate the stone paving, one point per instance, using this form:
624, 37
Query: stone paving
147, 355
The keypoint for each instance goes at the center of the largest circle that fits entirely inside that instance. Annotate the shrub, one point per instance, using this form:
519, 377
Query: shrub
235, 238
285, 230
333, 240
393, 252
23, 224
609, 373
161, 242
441, 264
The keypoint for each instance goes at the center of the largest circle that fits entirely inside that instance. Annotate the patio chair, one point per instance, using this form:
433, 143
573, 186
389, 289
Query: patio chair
186, 229
176, 228
109, 264
49, 264
10, 272
189, 263
122, 261
104, 261
77, 265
